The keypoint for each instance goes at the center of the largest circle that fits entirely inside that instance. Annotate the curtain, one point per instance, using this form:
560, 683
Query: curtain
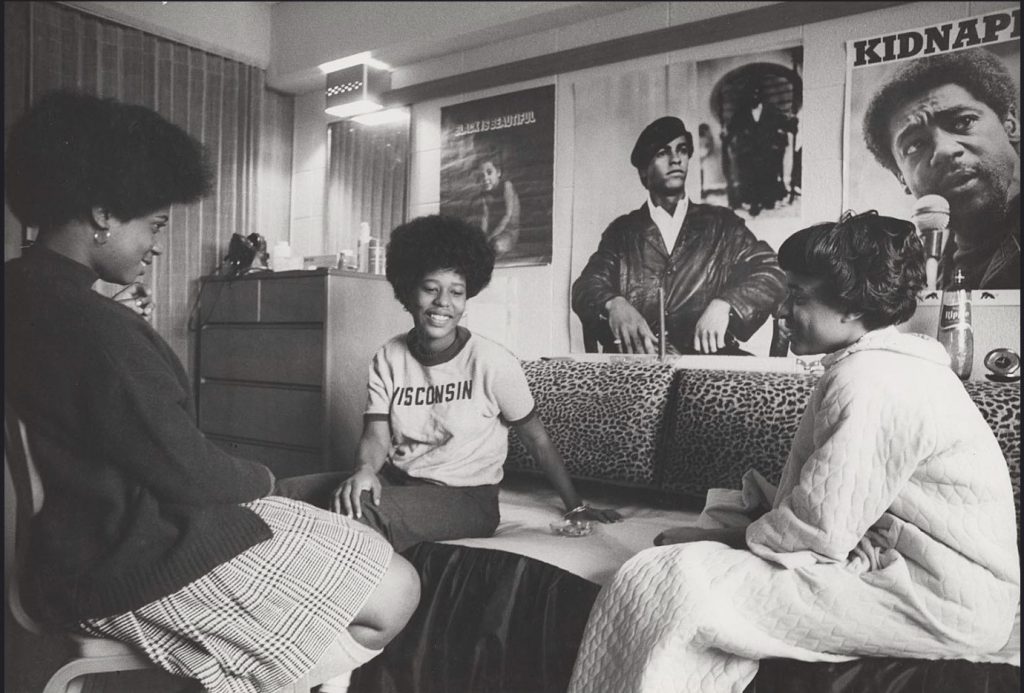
366, 181
225, 104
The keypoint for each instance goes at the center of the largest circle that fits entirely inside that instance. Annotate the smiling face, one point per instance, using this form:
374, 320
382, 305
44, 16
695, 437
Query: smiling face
130, 248
491, 175
666, 171
946, 142
437, 304
813, 324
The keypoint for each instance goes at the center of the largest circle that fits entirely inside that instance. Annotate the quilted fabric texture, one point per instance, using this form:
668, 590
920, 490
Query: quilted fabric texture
726, 422
893, 517
606, 419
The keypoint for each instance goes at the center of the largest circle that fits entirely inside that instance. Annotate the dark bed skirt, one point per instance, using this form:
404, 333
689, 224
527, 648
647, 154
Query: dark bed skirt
496, 622
488, 621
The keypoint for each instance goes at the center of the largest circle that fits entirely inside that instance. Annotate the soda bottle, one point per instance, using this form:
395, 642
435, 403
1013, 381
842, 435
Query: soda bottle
955, 331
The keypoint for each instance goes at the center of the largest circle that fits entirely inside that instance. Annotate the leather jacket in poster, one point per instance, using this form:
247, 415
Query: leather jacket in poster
715, 256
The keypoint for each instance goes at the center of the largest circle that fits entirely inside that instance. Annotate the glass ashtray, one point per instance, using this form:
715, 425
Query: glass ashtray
571, 528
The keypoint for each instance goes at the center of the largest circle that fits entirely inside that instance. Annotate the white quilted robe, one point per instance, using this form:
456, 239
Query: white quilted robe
892, 533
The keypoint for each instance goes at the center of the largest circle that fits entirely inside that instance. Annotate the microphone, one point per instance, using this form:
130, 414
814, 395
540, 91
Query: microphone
931, 217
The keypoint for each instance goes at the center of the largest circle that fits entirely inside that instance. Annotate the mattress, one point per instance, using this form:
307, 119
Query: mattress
529, 506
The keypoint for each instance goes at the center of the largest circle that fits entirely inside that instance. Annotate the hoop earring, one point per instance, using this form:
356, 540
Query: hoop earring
100, 236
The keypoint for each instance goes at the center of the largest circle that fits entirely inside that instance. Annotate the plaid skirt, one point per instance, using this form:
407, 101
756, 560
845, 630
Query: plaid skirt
263, 619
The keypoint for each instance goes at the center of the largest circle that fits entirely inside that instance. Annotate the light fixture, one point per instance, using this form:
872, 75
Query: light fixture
385, 117
355, 85
349, 61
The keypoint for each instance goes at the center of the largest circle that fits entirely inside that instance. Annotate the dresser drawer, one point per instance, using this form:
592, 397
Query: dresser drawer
229, 301
284, 462
262, 413
298, 299
270, 354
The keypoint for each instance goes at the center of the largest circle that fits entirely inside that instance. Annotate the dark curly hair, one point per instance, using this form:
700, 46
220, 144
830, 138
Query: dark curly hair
431, 243
72, 152
872, 265
978, 71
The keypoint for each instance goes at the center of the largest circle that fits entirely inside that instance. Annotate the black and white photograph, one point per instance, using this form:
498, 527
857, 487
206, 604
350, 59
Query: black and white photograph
511, 347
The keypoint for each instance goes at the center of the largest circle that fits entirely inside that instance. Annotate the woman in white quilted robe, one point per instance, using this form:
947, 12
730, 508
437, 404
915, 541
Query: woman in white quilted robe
892, 531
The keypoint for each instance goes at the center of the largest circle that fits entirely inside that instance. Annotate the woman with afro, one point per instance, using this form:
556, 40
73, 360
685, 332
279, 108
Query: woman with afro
150, 533
441, 400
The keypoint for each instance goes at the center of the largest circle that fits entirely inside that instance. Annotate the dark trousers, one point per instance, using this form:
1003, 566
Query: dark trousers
410, 510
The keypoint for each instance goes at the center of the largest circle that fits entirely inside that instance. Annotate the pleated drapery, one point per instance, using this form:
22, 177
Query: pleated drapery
224, 103
366, 181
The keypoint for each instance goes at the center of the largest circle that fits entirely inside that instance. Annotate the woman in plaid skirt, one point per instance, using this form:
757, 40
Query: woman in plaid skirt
149, 533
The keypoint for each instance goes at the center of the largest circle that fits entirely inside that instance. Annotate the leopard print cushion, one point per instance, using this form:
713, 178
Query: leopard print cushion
727, 422
999, 403
605, 419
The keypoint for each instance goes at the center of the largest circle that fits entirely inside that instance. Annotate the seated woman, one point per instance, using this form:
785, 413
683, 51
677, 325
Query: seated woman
892, 532
441, 400
149, 533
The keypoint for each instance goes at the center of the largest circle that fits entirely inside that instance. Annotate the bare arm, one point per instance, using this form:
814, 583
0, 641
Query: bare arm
539, 445
372, 453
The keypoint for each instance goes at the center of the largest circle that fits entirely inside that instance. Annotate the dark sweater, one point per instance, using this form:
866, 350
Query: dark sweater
137, 503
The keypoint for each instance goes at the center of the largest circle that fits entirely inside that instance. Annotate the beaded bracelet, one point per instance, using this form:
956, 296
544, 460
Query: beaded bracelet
582, 507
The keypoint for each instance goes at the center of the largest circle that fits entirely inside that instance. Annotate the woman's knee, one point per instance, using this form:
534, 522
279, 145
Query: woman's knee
390, 606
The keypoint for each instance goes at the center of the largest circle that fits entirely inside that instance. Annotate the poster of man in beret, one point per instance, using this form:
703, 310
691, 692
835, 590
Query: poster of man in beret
497, 171
685, 181
932, 134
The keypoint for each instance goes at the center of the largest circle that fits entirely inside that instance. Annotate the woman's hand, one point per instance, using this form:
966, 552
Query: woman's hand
631, 332
595, 515
138, 298
348, 497
736, 537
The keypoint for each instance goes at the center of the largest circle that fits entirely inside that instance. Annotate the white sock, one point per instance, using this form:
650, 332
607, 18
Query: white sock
339, 684
344, 655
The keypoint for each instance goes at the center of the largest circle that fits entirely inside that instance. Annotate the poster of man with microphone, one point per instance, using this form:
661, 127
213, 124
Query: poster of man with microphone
933, 124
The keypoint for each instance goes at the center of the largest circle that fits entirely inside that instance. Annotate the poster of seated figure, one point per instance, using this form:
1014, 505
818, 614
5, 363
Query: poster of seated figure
686, 179
497, 171
933, 122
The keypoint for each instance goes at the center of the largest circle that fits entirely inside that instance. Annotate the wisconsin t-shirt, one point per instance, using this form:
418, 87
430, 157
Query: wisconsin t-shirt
449, 412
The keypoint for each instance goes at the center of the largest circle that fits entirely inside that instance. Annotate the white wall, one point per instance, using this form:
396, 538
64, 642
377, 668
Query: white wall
239, 30
539, 321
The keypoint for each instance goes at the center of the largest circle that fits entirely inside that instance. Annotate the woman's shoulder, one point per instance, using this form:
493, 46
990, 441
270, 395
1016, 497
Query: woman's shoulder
485, 347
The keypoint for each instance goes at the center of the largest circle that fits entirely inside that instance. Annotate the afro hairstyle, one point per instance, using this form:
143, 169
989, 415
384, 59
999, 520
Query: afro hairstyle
72, 152
978, 71
871, 264
431, 243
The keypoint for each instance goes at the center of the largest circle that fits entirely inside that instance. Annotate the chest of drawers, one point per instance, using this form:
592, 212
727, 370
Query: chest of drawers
282, 364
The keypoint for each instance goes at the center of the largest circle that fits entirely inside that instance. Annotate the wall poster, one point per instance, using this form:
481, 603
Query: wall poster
497, 171
743, 113
748, 141
936, 111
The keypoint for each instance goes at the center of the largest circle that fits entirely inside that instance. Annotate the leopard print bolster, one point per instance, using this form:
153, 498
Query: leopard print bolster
999, 403
605, 418
691, 430
727, 422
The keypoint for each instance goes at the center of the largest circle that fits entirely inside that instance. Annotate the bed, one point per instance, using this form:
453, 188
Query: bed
506, 614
